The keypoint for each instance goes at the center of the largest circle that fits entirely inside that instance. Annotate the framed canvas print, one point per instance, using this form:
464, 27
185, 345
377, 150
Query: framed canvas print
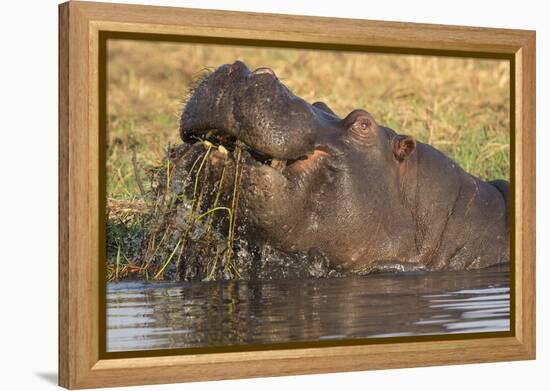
248, 195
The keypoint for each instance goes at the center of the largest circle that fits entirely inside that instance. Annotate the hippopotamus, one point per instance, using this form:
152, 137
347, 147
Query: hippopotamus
361, 194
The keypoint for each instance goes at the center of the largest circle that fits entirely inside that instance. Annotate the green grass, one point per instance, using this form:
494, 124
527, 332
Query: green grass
460, 106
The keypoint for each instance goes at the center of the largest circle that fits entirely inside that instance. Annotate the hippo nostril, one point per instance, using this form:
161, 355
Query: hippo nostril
263, 70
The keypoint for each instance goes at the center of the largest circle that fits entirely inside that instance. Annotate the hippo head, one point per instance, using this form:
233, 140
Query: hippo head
310, 179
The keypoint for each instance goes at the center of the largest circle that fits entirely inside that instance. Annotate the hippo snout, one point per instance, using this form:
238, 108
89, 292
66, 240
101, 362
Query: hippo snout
255, 108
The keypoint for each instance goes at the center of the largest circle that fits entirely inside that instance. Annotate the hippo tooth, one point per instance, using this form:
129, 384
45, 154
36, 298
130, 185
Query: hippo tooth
223, 150
277, 164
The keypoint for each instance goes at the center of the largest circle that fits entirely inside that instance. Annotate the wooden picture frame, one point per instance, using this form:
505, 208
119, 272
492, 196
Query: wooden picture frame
80, 190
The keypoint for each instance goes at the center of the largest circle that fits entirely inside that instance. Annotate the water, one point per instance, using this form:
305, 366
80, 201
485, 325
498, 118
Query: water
214, 314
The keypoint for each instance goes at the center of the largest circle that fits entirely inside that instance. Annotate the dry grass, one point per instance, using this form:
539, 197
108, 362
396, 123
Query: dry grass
460, 106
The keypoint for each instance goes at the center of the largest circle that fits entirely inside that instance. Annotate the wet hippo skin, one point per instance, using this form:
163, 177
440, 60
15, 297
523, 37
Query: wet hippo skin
363, 195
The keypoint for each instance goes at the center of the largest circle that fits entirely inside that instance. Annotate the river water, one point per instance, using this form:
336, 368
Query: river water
224, 313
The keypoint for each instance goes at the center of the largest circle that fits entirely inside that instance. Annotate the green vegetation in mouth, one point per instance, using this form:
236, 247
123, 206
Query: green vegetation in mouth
155, 233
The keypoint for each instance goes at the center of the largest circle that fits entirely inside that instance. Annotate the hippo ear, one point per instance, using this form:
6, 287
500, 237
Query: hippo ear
403, 147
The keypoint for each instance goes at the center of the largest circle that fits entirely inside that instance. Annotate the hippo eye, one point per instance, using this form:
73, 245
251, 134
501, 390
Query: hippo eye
362, 125
363, 131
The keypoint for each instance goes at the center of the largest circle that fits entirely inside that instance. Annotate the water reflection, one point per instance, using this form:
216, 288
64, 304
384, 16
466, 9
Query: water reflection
162, 316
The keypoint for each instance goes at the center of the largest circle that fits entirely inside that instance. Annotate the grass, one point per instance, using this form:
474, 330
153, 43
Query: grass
461, 106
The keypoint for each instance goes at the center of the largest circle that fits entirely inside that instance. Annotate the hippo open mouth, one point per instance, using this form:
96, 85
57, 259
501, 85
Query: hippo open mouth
359, 193
225, 144
255, 111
